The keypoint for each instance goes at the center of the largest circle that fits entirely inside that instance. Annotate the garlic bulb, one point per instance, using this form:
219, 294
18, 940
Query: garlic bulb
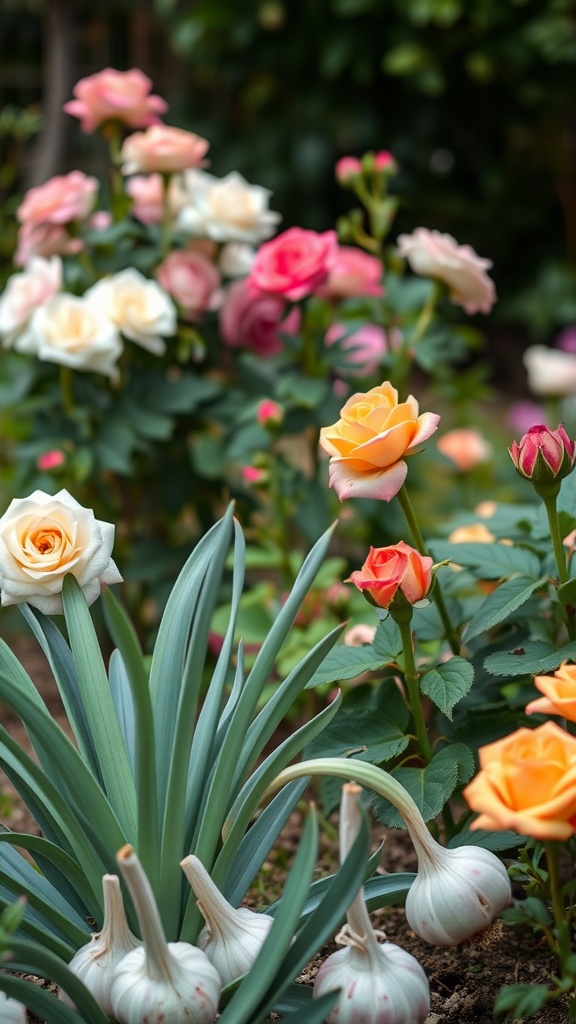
232, 938
456, 893
11, 1011
379, 983
160, 982
94, 963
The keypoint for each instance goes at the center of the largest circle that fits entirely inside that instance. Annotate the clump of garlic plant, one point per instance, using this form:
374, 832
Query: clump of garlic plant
94, 963
232, 937
160, 982
379, 983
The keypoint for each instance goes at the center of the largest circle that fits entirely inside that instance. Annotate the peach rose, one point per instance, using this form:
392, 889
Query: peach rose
256, 320
192, 280
434, 254
397, 567
527, 783
559, 694
353, 273
294, 263
367, 446
115, 95
164, 149
60, 200
465, 447
44, 537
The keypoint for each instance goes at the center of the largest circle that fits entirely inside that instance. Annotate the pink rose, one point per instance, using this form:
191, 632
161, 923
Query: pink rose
354, 273
146, 193
44, 240
26, 292
115, 95
465, 447
192, 280
256, 320
294, 263
164, 149
362, 350
59, 200
433, 254
347, 169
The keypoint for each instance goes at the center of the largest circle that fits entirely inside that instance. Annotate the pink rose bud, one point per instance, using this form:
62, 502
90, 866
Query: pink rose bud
389, 570
384, 162
270, 414
544, 456
50, 460
347, 169
254, 476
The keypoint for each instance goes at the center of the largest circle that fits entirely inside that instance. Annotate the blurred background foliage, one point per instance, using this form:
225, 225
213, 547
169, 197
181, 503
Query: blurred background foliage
475, 98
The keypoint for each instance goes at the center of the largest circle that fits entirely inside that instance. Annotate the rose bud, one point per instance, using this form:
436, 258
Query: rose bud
389, 570
544, 456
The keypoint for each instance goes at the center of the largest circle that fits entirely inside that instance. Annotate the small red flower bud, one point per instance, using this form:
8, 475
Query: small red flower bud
544, 456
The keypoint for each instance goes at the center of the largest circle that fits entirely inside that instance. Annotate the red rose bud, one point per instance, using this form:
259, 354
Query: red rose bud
389, 570
544, 456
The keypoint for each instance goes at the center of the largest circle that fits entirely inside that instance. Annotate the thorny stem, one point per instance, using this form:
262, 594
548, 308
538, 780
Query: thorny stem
436, 594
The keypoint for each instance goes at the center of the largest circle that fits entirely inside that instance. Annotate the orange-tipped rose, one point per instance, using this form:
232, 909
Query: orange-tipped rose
527, 783
387, 570
559, 693
368, 444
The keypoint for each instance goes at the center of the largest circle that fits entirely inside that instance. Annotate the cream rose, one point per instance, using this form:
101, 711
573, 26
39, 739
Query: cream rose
70, 331
26, 292
44, 537
550, 370
227, 209
437, 255
139, 308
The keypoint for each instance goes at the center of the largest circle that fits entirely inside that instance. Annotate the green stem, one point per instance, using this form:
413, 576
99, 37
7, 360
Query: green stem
281, 518
436, 594
166, 234
559, 555
562, 931
413, 687
426, 315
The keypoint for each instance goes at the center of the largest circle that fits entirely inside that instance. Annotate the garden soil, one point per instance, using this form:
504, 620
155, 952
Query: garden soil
464, 981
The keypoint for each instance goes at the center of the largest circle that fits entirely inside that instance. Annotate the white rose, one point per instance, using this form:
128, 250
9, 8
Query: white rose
70, 331
24, 293
139, 308
432, 254
236, 259
226, 209
44, 537
550, 370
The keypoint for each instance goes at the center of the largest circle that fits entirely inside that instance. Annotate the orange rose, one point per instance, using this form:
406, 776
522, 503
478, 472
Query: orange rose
368, 444
559, 693
396, 567
527, 783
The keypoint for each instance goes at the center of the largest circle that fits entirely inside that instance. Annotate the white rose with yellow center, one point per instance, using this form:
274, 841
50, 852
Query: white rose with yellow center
44, 537
69, 331
226, 209
139, 308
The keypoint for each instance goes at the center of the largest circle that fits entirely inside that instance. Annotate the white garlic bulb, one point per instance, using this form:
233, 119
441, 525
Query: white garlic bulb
94, 963
379, 983
456, 893
160, 982
11, 1011
232, 938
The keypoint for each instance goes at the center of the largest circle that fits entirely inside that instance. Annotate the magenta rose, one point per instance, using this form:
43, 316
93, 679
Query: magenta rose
294, 263
256, 320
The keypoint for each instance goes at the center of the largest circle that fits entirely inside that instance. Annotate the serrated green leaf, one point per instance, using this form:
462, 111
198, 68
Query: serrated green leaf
448, 683
534, 657
495, 841
369, 734
430, 787
509, 596
346, 663
567, 592
493, 560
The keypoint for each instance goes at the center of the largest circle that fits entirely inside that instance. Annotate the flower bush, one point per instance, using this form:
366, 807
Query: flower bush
172, 352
